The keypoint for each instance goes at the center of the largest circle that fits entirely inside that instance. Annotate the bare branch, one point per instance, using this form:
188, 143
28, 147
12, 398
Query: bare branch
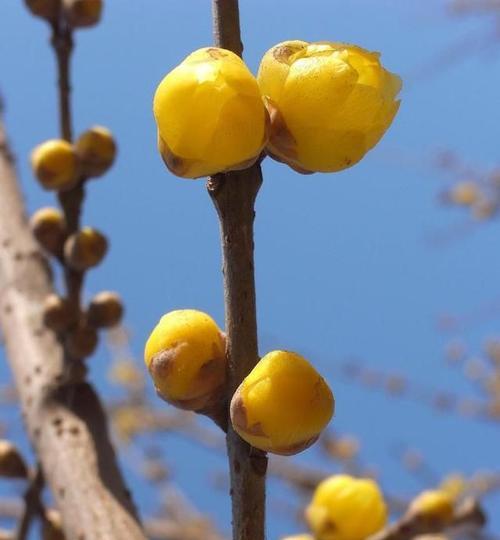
233, 195
67, 426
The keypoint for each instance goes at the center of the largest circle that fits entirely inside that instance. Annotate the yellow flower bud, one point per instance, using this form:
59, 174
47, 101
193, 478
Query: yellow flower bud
49, 229
105, 310
47, 9
85, 249
185, 355
96, 148
81, 342
454, 484
299, 537
82, 13
464, 193
210, 115
12, 464
282, 405
329, 103
433, 505
58, 313
55, 164
346, 508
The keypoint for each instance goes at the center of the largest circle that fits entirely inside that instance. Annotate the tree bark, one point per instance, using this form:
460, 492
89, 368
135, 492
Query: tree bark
233, 195
66, 425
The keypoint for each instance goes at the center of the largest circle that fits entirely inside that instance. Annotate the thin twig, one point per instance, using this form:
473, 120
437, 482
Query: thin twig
32, 504
71, 201
233, 195
62, 43
468, 514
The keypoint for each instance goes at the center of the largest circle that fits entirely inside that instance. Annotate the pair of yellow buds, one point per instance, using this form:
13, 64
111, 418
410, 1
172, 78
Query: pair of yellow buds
281, 406
347, 508
318, 107
105, 310
82, 250
59, 165
78, 13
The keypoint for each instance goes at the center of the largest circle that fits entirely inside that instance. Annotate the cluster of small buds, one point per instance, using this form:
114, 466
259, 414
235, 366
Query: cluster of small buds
282, 405
481, 197
77, 13
61, 166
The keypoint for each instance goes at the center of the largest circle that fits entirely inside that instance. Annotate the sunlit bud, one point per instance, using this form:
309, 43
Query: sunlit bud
47, 9
464, 193
435, 506
85, 249
52, 526
454, 484
58, 313
49, 229
329, 103
55, 164
81, 342
346, 508
105, 310
96, 149
282, 405
82, 13
210, 115
185, 355
299, 537
12, 464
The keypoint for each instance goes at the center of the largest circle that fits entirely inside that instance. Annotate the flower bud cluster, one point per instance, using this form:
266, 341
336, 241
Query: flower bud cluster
64, 167
318, 107
282, 405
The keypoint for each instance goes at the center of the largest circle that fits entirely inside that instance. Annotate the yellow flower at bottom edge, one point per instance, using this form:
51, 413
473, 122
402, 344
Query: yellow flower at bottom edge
210, 115
436, 505
329, 103
346, 508
282, 405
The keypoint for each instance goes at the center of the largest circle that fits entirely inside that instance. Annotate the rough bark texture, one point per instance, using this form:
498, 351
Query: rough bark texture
67, 426
233, 195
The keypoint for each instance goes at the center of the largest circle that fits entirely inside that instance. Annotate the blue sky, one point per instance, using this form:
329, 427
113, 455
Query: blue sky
344, 267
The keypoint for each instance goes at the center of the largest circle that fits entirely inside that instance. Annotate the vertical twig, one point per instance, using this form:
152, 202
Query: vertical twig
233, 195
71, 201
62, 42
